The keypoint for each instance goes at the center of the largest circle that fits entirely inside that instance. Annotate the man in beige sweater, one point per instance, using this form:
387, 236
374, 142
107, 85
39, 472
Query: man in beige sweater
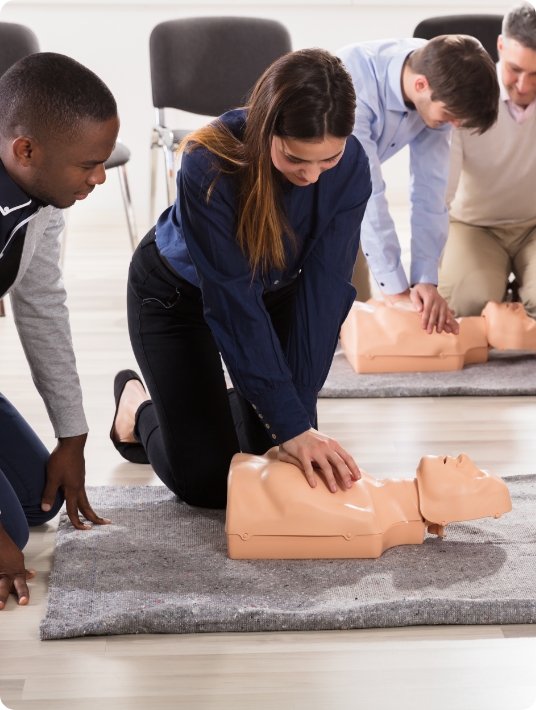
492, 186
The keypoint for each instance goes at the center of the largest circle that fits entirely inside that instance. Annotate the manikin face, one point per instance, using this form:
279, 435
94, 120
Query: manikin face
512, 310
303, 162
61, 172
454, 489
518, 71
461, 463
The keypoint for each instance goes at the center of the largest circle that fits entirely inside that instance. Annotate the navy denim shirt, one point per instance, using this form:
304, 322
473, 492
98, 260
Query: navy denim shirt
198, 238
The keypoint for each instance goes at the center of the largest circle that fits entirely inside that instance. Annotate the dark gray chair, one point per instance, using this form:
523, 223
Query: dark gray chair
486, 28
205, 65
16, 42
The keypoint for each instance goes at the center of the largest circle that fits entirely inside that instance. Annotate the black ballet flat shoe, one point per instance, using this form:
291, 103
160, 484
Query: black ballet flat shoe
135, 453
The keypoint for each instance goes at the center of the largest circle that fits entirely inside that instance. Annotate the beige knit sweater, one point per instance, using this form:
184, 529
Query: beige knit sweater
493, 176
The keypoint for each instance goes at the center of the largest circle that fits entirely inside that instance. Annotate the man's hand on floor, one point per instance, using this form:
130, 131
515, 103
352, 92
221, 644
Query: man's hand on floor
433, 307
67, 470
13, 574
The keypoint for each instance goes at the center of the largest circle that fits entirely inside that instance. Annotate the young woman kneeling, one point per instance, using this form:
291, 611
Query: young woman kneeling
253, 261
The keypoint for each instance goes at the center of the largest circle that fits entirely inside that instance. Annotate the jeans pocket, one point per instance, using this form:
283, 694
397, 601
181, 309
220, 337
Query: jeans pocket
148, 280
167, 302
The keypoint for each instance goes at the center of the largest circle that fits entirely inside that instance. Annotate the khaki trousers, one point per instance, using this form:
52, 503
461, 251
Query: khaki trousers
478, 261
361, 277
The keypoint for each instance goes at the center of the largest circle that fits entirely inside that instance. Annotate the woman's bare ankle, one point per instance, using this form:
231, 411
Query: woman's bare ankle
132, 397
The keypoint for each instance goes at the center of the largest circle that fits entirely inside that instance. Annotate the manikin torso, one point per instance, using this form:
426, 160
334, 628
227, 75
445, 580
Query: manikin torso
380, 338
272, 511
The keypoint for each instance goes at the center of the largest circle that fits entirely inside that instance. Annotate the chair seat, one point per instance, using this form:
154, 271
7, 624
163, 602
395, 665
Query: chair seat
120, 156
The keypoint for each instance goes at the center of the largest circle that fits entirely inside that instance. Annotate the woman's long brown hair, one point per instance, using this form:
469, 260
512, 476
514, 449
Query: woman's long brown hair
304, 95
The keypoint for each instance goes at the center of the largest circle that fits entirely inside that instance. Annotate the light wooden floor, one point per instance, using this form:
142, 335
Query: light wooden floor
444, 668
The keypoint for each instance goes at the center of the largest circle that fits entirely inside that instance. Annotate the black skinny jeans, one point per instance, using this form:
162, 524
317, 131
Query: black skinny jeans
193, 425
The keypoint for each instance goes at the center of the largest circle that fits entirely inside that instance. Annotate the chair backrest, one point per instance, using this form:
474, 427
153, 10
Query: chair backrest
16, 42
486, 28
207, 65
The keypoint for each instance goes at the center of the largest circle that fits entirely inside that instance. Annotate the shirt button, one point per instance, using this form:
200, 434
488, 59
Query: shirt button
254, 407
393, 145
382, 284
275, 283
260, 416
267, 426
273, 436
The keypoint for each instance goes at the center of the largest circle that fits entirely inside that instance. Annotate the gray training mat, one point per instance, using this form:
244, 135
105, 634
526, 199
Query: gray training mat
510, 373
162, 567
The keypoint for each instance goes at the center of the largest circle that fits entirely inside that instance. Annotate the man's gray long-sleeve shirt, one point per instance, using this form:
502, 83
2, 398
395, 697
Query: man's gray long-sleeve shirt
38, 299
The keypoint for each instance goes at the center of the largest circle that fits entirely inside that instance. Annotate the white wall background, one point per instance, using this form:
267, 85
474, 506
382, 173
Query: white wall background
112, 39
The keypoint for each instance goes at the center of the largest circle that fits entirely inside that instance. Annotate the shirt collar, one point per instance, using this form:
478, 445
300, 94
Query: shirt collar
394, 100
12, 197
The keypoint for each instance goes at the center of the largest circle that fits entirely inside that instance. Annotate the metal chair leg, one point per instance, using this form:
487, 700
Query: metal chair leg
131, 221
170, 174
154, 167
162, 138
2, 308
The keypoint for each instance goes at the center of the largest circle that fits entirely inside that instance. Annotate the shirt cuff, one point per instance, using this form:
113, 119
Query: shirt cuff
282, 413
309, 399
424, 272
392, 282
67, 421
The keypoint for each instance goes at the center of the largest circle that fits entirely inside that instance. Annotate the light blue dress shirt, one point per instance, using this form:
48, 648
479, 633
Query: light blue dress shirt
383, 126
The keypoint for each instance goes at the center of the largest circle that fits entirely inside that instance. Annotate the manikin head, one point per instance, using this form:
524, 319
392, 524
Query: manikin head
58, 125
509, 327
454, 489
510, 311
452, 79
517, 53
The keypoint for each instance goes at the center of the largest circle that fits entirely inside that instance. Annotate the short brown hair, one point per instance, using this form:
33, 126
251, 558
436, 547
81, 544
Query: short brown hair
463, 76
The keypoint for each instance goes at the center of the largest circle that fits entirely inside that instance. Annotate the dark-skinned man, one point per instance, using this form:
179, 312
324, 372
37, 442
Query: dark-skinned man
58, 125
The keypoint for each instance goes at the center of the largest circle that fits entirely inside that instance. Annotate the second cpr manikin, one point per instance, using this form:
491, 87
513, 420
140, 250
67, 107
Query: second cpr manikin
380, 338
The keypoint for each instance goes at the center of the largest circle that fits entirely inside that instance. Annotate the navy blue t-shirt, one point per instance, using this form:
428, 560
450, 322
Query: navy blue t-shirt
16, 210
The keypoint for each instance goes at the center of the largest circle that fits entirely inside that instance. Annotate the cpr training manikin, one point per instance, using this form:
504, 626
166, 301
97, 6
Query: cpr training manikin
273, 513
388, 338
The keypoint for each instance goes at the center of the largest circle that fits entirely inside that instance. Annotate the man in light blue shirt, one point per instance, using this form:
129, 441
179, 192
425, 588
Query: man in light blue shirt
410, 91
